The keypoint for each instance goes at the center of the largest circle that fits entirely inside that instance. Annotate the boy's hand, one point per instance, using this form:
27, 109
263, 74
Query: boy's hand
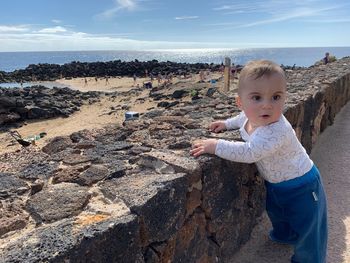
217, 126
203, 146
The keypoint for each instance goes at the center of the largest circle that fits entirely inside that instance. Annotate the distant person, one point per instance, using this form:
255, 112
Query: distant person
326, 59
107, 82
233, 71
134, 77
295, 200
85, 81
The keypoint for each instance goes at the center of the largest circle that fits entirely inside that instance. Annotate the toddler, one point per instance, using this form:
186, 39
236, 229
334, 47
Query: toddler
295, 200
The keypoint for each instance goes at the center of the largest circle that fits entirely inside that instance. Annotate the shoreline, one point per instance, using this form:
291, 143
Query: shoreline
238, 55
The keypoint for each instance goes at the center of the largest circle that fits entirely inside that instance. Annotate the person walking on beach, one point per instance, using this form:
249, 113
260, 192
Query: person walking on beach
295, 200
134, 78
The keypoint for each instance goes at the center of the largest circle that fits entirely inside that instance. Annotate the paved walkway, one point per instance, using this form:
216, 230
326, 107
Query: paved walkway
332, 156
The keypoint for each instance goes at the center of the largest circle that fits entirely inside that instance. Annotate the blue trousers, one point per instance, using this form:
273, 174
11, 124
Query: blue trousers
298, 212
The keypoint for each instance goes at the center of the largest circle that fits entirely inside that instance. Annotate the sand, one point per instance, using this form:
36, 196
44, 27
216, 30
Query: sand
91, 116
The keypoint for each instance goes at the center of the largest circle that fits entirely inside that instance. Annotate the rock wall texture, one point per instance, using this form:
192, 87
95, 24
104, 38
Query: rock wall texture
133, 193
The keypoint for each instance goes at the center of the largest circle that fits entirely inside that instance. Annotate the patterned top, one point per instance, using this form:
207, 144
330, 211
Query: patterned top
274, 148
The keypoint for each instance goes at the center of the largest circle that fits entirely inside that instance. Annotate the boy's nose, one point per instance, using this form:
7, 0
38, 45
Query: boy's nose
267, 105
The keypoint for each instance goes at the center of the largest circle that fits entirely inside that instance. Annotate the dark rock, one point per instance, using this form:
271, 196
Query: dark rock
10, 184
9, 117
12, 217
153, 113
158, 200
85, 145
7, 102
118, 171
69, 174
136, 150
74, 159
57, 202
57, 144
163, 104
178, 94
38, 170
92, 175
102, 240
36, 186
182, 144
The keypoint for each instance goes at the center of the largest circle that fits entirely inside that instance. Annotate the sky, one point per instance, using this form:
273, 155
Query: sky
57, 25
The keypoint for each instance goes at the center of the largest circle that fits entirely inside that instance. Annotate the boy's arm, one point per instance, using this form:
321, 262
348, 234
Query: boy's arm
235, 122
249, 152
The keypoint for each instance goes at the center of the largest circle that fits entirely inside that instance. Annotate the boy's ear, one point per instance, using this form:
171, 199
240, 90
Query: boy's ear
238, 101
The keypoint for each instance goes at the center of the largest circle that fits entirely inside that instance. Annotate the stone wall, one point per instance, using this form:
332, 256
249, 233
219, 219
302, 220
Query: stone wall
133, 193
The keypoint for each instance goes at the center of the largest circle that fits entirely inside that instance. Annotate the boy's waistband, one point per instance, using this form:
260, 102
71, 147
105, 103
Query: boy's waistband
299, 181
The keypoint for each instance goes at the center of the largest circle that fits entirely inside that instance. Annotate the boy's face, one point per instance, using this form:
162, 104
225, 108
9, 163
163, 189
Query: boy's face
262, 100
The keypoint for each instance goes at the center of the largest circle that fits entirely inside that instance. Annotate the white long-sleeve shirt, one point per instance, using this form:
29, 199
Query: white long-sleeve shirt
274, 148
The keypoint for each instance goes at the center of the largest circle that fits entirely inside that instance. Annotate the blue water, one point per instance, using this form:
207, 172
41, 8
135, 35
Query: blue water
10, 61
48, 84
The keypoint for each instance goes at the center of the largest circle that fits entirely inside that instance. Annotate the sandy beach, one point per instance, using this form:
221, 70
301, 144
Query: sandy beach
96, 115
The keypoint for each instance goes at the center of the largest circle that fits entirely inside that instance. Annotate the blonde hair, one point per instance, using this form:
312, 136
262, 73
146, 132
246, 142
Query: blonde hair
257, 69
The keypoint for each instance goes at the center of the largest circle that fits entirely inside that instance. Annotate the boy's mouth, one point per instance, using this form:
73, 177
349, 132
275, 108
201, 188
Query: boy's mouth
265, 116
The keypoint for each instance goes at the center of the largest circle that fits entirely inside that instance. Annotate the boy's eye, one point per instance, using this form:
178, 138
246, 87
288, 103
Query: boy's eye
256, 97
276, 97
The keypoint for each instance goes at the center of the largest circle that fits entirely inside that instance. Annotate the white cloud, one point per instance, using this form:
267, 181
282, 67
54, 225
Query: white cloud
129, 5
56, 21
56, 29
245, 7
274, 11
18, 28
292, 14
75, 41
186, 17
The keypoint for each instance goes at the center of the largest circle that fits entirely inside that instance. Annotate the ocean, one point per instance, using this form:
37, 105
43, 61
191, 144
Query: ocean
304, 57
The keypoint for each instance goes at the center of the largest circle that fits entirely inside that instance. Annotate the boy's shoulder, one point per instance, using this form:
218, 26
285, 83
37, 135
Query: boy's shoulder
282, 126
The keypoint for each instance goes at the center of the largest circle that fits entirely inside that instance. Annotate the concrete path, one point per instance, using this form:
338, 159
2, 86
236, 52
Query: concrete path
332, 156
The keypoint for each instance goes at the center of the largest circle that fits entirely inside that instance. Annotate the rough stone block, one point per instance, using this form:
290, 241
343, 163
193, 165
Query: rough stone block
57, 202
108, 240
158, 200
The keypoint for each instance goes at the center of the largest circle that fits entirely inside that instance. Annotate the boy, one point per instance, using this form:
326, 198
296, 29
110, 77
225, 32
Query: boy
295, 200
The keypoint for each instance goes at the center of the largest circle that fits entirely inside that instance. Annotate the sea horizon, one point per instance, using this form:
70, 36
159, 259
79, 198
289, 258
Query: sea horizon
288, 56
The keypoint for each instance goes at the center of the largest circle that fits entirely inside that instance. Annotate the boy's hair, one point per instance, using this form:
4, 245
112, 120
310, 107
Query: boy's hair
258, 68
